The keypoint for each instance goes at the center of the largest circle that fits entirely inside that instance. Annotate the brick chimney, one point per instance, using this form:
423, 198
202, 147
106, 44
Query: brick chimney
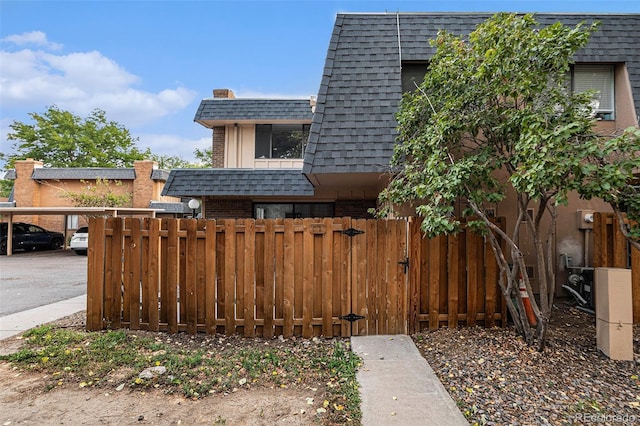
219, 132
143, 185
223, 93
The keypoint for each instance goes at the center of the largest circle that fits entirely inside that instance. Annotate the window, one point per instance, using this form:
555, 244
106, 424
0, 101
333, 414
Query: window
281, 140
600, 79
413, 75
72, 221
292, 210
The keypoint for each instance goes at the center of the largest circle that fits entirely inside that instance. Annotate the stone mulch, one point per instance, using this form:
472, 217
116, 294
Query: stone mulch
496, 379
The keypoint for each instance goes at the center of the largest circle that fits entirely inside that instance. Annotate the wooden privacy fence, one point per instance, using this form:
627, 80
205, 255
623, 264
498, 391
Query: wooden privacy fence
611, 250
303, 277
454, 280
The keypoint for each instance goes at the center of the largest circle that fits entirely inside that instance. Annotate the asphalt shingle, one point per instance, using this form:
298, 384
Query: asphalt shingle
256, 110
49, 173
237, 182
361, 84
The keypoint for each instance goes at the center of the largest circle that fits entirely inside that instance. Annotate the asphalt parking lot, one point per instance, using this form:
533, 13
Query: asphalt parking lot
36, 278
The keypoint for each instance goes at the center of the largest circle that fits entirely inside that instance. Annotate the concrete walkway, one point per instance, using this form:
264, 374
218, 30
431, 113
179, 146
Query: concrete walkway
17, 323
398, 387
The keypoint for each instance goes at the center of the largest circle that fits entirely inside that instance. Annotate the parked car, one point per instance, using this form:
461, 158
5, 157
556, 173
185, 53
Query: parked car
79, 241
27, 236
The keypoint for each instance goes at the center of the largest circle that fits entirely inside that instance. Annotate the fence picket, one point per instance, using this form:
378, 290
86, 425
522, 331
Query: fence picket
211, 262
95, 273
268, 279
114, 300
173, 263
249, 298
453, 279
372, 283
327, 278
190, 285
134, 279
201, 242
230, 276
287, 277
307, 280
152, 274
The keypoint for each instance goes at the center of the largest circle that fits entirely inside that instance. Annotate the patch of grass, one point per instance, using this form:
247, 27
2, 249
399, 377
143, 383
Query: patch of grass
195, 367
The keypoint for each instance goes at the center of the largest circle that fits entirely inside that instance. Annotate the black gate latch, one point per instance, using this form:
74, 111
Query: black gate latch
351, 317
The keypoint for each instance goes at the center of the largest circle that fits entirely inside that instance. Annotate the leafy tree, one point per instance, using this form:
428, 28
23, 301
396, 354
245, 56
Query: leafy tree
168, 162
6, 186
608, 173
205, 156
102, 194
60, 139
493, 115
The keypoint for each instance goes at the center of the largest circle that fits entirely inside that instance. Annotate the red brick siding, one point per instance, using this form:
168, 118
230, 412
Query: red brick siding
228, 209
217, 157
354, 208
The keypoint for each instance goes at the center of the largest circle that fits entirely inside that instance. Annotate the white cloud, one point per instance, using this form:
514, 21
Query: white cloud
163, 144
81, 82
34, 38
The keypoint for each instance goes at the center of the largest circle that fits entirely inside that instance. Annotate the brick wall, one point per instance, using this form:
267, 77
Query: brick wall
217, 157
228, 209
356, 209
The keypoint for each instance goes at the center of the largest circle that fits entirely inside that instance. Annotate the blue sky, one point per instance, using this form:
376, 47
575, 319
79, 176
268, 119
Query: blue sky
149, 63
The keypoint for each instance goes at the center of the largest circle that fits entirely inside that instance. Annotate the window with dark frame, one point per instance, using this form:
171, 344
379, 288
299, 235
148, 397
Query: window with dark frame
292, 210
413, 75
281, 140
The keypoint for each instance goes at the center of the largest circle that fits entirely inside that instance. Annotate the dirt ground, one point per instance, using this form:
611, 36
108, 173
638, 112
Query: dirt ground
25, 401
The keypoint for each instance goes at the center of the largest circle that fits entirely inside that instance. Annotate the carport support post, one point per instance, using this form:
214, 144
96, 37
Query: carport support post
10, 235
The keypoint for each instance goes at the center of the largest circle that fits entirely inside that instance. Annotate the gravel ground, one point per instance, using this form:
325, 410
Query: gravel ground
496, 379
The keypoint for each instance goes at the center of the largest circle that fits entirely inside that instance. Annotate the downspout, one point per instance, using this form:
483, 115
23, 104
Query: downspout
399, 44
238, 153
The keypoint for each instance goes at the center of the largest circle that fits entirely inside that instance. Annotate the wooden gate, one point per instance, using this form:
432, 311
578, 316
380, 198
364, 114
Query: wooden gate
306, 277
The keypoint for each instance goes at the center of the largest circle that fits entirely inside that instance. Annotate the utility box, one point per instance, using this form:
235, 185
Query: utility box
614, 313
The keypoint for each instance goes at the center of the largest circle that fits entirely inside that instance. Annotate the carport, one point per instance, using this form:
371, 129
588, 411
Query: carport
9, 212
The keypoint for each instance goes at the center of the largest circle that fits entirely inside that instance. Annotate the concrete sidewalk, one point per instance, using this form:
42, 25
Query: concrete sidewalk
17, 323
398, 387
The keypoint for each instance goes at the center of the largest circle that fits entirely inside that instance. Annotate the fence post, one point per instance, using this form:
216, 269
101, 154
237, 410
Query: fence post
95, 273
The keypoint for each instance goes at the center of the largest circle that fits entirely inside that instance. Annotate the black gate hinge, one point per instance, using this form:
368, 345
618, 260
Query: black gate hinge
351, 232
406, 264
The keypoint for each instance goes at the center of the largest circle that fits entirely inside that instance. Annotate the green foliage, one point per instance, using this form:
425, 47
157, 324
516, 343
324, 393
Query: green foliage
609, 171
493, 112
101, 194
61, 139
204, 156
6, 186
168, 162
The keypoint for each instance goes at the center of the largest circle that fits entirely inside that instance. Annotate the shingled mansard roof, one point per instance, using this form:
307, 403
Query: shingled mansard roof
353, 128
217, 111
243, 182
